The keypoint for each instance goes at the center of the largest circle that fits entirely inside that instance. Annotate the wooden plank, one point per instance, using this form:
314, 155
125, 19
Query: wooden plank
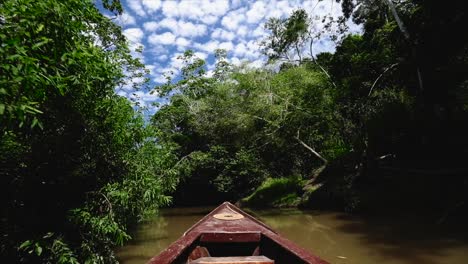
229, 237
234, 260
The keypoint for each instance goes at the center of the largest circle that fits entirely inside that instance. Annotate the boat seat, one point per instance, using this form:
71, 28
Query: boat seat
234, 260
198, 252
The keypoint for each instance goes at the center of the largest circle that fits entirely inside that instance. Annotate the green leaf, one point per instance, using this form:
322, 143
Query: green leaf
34, 122
38, 249
39, 44
25, 244
48, 235
40, 28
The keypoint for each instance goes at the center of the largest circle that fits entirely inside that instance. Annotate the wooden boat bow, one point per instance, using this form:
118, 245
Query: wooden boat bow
228, 231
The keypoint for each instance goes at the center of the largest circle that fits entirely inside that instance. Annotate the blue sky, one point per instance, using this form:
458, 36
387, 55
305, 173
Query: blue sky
166, 29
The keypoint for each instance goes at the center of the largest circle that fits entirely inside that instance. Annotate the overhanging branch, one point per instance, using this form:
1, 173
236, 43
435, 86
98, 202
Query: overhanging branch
310, 149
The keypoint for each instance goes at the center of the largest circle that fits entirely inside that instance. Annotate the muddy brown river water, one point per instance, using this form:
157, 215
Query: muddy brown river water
336, 237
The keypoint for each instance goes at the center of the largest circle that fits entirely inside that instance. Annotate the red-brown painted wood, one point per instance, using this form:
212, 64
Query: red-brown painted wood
221, 237
235, 260
246, 230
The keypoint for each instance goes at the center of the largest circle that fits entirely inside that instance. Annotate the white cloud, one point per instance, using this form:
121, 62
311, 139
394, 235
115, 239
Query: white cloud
134, 35
216, 7
169, 23
259, 32
226, 46
207, 11
236, 3
170, 8
189, 9
327, 9
128, 86
235, 61
183, 28
257, 63
159, 78
209, 73
175, 62
122, 93
355, 29
256, 12
240, 50
142, 98
166, 38
126, 19
222, 34
209, 19
209, 46
281, 9
323, 45
162, 57
242, 31
148, 96
156, 49
151, 68
150, 26
233, 19
135, 6
190, 29
182, 42
152, 5
201, 55
253, 50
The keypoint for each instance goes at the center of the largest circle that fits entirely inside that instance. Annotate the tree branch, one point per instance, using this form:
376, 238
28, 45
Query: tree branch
325, 161
109, 204
380, 76
316, 62
182, 159
298, 52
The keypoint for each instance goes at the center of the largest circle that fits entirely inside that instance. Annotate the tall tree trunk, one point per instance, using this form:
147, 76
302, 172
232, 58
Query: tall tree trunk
406, 34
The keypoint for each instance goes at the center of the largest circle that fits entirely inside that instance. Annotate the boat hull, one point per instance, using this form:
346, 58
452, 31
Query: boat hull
228, 231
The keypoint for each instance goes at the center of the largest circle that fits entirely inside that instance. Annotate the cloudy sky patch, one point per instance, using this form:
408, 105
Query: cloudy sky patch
167, 28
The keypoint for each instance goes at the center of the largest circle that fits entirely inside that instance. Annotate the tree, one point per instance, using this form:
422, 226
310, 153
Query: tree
243, 125
287, 34
78, 163
292, 38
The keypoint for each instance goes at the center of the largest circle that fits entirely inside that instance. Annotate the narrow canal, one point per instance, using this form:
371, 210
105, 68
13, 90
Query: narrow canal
335, 237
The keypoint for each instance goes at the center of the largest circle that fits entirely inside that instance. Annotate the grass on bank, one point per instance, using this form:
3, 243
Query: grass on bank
278, 192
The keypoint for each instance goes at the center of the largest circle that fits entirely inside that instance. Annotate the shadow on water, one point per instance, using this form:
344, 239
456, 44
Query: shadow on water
410, 238
385, 239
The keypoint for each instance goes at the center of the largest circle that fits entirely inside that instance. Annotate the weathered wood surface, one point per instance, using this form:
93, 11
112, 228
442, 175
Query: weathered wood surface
234, 260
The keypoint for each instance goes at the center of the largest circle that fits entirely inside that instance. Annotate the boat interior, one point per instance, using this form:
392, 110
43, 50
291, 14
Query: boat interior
245, 248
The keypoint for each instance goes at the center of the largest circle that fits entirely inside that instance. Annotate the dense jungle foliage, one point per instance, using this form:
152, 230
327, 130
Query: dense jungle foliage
78, 164
381, 120
384, 114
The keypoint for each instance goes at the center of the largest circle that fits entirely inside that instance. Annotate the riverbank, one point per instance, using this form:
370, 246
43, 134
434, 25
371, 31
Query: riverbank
382, 191
276, 193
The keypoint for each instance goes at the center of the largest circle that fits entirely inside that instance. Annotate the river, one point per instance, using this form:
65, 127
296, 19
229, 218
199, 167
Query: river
336, 237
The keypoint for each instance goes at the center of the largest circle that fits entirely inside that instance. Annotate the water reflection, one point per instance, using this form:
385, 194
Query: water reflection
336, 237
151, 237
